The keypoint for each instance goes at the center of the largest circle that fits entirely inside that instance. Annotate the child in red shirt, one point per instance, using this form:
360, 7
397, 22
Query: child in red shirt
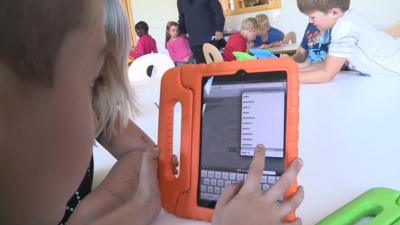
242, 40
146, 44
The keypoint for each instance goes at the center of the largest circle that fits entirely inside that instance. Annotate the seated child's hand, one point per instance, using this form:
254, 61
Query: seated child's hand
285, 55
277, 44
148, 194
264, 46
245, 203
175, 164
250, 45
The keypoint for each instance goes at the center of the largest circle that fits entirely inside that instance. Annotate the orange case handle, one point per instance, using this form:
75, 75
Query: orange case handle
171, 185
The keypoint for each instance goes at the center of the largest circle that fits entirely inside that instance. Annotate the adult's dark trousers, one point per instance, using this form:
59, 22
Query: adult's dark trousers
198, 54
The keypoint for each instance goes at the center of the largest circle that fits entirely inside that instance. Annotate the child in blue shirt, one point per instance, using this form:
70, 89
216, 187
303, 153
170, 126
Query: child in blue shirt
314, 46
268, 36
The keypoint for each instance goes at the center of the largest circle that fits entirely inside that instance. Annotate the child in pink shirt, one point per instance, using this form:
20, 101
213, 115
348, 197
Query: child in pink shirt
178, 45
146, 44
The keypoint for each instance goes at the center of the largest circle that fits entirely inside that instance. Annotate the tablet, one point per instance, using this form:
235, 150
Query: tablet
227, 109
239, 112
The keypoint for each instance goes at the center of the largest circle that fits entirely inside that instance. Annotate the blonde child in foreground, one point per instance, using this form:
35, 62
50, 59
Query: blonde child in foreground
53, 98
353, 41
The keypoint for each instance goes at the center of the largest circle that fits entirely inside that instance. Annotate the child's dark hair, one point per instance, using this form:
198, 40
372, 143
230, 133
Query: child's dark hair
169, 25
141, 28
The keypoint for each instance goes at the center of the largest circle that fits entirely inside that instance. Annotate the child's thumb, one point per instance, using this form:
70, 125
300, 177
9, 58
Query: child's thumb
148, 171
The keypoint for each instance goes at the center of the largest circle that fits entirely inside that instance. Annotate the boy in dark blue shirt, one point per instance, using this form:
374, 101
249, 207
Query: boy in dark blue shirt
314, 46
268, 35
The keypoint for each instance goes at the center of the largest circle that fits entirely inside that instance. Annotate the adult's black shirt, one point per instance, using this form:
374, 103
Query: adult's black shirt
200, 19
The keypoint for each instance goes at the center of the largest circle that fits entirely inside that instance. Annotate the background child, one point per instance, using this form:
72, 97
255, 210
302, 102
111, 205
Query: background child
177, 45
241, 41
365, 48
314, 46
146, 44
268, 35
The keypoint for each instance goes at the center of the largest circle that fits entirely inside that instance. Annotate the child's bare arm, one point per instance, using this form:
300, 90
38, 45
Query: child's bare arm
129, 139
107, 206
300, 55
122, 182
247, 204
322, 73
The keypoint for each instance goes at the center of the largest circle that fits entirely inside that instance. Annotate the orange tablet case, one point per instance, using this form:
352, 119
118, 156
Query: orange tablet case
184, 85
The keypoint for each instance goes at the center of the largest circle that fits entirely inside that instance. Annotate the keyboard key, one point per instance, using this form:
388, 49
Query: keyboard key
225, 175
203, 188
232, 176
240, 176
210, 189
218, 175
204, 196
271, 179
266, 172
265, 187
213, 197
220, 183
210, 174
217, 190
214, 182
203, 173
206, 181
264, 179
227, 182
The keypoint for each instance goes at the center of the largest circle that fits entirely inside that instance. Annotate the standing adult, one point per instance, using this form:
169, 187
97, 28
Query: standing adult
201, 20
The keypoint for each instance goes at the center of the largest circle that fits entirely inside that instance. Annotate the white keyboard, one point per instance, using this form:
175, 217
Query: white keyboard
212, 182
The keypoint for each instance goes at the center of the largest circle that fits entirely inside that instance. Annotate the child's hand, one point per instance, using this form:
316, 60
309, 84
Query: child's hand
250, 45
246, 204
277, 44
264, 46
218, 35
175, 164
148, 195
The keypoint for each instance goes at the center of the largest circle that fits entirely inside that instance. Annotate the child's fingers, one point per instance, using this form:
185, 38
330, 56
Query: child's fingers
292, 203
175, 164
256, 169
285, 181
148, 172
296, 222
229, 192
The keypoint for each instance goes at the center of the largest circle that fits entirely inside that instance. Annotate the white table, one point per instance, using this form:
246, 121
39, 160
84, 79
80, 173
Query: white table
349, 132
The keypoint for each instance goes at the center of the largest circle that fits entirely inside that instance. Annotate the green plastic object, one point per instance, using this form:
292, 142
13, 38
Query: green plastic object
383, 204
241, 56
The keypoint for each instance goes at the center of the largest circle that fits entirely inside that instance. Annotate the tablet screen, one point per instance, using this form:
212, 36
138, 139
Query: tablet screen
239, 112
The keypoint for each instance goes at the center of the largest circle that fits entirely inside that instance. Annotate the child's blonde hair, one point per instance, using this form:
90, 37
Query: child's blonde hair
262, 18
309, 6
250, 23
112, 95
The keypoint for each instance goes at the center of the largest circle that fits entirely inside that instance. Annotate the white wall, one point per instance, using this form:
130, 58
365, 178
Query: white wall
158, 12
